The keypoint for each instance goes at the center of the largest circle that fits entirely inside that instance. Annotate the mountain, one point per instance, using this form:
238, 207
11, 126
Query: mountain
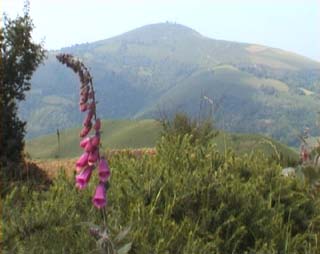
124, 134
163, 68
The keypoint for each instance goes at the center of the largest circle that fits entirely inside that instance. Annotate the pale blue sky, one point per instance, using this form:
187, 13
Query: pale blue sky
288, 24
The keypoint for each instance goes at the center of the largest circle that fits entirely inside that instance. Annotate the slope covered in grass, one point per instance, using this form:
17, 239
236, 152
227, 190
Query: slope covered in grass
121, 134
115, 134
242, 102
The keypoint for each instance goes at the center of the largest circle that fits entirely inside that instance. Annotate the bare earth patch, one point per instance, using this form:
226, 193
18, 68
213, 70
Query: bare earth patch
52, 167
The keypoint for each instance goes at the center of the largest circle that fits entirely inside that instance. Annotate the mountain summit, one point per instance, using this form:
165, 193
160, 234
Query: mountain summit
160, 31
170, 67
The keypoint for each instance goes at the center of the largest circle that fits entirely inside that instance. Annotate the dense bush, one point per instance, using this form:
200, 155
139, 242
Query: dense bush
187, 198
181, 124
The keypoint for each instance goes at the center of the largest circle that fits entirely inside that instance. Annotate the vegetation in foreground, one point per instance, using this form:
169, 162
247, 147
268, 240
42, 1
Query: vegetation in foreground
188, 198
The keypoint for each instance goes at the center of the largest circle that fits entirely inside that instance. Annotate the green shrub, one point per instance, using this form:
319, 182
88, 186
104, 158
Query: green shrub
181, 124
188, 198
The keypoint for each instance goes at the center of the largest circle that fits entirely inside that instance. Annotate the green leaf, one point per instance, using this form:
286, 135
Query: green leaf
124, 249
122, 234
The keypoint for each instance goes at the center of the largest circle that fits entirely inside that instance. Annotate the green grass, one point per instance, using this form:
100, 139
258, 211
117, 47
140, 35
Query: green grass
116, 134
120, 134
187, 199
252, 143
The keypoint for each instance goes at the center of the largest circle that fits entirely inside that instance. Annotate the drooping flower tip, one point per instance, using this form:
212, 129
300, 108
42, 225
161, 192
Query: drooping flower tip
83, 178
104, 170
100, 198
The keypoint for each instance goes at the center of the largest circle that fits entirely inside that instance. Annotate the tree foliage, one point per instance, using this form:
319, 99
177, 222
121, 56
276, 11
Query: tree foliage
20, 57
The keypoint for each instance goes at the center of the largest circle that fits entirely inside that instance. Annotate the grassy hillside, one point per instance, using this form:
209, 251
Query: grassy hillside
243, 103
250, 143
122, 134
115, 134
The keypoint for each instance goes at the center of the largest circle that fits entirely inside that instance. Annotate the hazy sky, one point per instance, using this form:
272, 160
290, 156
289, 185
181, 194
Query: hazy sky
288, 24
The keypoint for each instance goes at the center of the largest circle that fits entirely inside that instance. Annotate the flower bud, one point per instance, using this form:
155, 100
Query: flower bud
87, 120
96, 140
83, 107
97, 124
84, 132
84, 98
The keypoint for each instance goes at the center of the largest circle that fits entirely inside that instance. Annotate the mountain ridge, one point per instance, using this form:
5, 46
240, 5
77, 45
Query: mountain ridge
256, 47
135, 71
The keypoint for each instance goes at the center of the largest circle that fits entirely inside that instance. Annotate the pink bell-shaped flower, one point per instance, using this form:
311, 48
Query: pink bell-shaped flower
83, 160
93, 157
89, 148
104, 170
96, 140
83, 178
84, 142
100, 198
